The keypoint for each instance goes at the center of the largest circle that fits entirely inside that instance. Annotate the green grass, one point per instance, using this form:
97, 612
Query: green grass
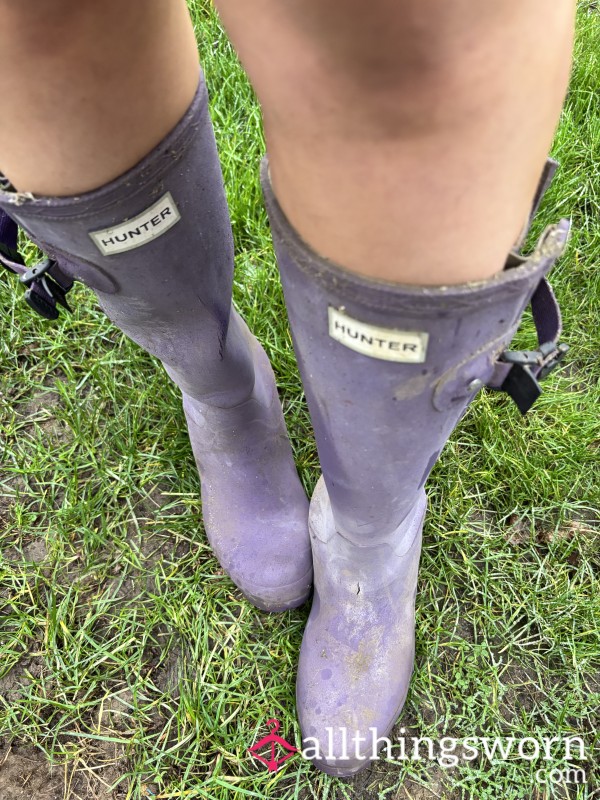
130, 661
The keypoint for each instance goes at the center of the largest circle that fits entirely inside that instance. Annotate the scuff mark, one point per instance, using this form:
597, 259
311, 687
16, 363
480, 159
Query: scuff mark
412, 388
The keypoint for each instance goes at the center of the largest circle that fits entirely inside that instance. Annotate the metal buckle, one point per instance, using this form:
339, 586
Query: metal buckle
43, 291
557, 355
521, 383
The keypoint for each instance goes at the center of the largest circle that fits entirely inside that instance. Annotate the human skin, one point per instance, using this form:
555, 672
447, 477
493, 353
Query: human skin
406, 139
89, 88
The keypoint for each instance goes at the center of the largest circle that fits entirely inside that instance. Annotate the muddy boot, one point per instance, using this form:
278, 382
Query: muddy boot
156, 246
388, 371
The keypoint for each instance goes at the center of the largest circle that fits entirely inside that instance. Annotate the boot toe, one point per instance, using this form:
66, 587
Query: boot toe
277, 581
348, 697
269, 560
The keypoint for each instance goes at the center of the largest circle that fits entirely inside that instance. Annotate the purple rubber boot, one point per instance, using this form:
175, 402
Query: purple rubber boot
157, 248
388, 371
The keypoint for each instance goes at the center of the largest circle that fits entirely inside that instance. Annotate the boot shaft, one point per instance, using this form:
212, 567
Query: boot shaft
156, 246
389, 369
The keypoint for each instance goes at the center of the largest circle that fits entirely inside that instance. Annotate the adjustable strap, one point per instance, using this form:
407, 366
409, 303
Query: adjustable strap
546, 178
9, 253
518, 372
47, 285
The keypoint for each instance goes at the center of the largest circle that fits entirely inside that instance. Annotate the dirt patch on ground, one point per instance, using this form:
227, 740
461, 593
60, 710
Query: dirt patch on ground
431, 789
19, 678
522, 692
34, 417
26, 774
586, 532
367, 785
39, 410
98, 764
10, 488
94, 765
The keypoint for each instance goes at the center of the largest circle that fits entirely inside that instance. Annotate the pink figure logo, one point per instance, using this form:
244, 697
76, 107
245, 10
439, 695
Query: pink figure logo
272, 741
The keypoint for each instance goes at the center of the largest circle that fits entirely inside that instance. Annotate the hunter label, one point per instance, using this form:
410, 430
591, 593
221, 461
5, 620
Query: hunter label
387, 344
135, 232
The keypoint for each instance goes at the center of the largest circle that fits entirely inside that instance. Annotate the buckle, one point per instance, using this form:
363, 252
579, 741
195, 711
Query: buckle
528, 368
558, 353
44, 291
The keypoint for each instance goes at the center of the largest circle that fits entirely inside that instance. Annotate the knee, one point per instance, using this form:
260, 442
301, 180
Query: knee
39, 27
417, 66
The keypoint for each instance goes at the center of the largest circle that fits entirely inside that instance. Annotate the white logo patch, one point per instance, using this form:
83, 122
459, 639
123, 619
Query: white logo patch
132, 233
388, 344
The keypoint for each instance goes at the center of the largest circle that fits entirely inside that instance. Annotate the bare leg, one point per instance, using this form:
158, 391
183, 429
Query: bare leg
92, 87
406, 138
103, 90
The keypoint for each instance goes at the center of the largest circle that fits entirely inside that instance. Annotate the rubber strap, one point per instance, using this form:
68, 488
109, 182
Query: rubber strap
548, 324
9, 252
43, 293
518, 372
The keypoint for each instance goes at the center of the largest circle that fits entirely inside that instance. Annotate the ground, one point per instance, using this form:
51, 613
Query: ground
131, 667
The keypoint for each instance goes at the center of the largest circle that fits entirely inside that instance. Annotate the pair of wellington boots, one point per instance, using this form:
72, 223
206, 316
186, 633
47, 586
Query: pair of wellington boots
388, 371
